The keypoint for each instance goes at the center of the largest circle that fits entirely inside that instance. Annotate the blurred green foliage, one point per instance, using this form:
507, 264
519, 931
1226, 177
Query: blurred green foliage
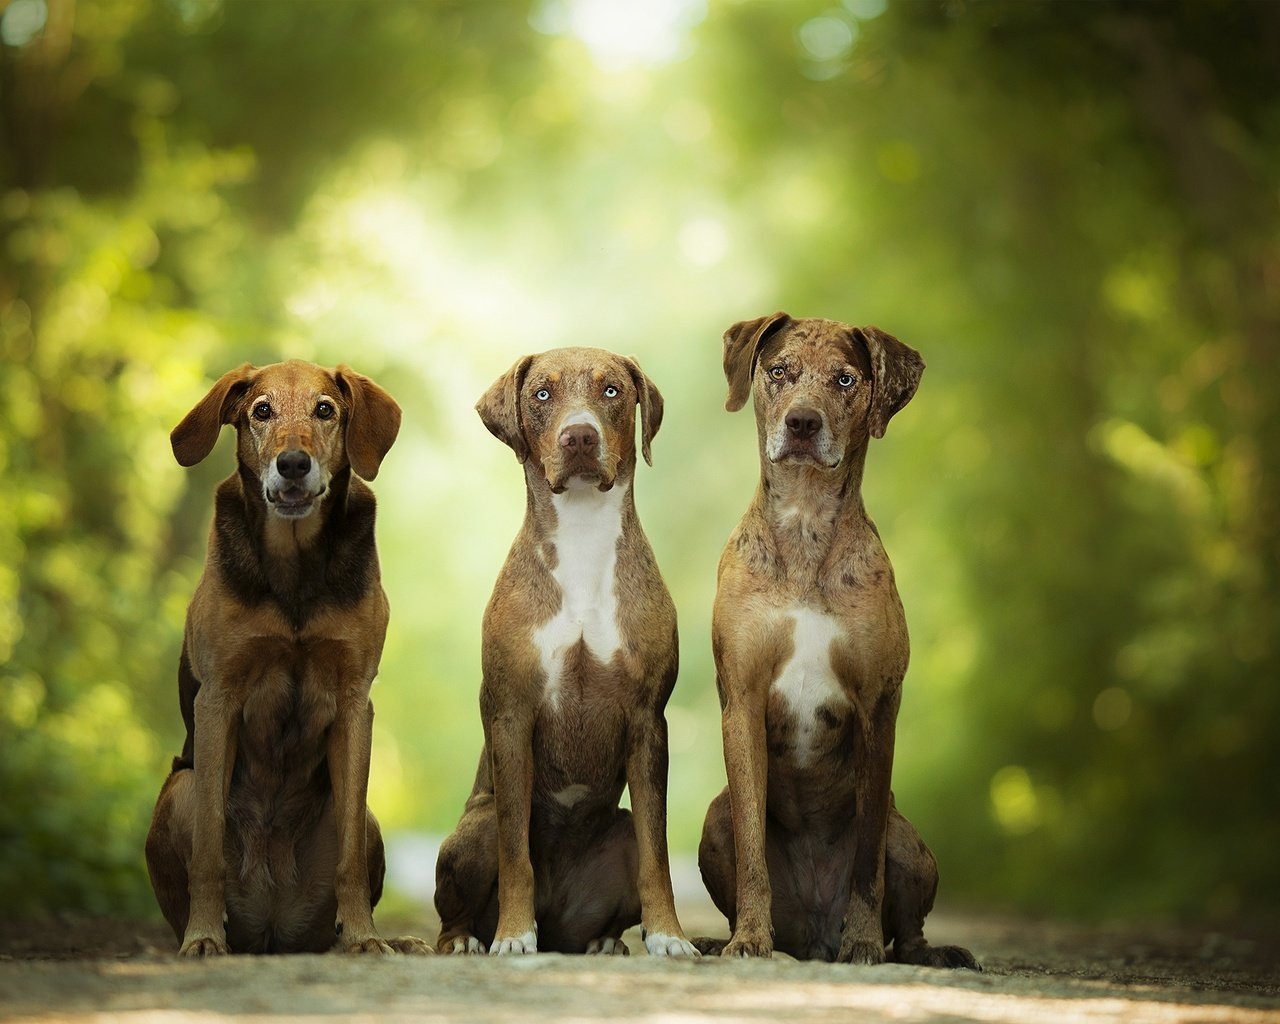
1070, 208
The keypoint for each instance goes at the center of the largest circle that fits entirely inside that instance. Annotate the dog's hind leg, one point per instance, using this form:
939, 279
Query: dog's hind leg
910, 884
467, 881
718, 868
168, 848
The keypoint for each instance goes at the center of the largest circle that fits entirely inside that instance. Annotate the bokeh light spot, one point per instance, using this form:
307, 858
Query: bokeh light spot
1112, 708
827, 37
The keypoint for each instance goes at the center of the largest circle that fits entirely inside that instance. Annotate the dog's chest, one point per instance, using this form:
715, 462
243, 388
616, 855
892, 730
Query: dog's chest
589, 525
815, 703
288, 711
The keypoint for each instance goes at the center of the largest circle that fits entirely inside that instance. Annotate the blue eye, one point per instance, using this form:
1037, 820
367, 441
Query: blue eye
610, 392
542, 395
846, 380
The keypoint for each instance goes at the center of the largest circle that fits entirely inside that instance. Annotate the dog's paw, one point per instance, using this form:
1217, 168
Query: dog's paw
749, 942
924, 955
607, 947
461, 945
515, 945
204, 945
860, 951
660, 944
367, 944
412, 945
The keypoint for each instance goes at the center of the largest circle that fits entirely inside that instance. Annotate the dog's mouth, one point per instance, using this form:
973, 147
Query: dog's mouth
293, 502
806, 454
593, 474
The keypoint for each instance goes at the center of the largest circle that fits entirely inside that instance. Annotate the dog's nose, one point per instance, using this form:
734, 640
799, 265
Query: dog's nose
804, 423
293, 465
580, 438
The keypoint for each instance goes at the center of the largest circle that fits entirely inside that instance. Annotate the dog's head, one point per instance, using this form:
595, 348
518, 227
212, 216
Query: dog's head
297, 426
821, 387
573, 412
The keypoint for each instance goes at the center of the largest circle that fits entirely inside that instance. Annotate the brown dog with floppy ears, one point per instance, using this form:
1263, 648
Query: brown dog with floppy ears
262, 823
579, 656
804, 851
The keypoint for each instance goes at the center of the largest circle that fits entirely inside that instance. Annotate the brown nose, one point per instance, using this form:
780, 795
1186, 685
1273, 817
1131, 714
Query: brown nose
804, 423
579, 439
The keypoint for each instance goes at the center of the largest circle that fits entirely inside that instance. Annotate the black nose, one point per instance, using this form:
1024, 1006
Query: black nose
580, 437
293, 465
804, 423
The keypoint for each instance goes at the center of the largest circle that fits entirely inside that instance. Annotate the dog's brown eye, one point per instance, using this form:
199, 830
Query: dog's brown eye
262, 411
777, 373
324, 410
845, 380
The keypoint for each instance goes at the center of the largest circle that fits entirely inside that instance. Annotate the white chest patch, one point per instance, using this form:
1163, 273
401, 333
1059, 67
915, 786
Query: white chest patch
588, 525
807, 681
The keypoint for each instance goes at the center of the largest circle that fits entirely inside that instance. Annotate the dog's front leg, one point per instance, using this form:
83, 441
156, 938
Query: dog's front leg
350, 740
647, 764
746, 761
509, 740
862, 934
214, 759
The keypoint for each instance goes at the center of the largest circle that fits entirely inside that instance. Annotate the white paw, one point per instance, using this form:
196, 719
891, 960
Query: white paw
607, 947
515, 945
659, 944
465, 944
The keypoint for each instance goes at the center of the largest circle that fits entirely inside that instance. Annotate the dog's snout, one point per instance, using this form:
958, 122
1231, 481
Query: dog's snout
293, 465
804, 423
581, 438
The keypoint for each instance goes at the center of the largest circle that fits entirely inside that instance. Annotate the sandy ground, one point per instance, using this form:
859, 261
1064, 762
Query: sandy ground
95, 970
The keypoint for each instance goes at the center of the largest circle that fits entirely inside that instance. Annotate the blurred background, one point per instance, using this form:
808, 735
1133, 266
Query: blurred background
1071, 209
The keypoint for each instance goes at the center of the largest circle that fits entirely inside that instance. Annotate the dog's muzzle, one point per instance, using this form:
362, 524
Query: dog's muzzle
579, 456
803, 436
293, 484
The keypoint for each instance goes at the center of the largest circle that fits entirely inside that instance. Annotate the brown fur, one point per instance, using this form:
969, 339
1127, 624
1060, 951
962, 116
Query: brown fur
543, 857
263, 821
804, 848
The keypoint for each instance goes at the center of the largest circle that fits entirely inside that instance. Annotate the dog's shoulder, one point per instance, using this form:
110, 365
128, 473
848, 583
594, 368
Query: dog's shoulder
236, 552
352, 570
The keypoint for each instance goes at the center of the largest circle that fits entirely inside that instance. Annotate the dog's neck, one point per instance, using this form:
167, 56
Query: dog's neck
554, 519
287, 541
807, 507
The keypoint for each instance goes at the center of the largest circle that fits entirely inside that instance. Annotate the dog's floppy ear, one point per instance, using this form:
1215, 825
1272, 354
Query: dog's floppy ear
895, 375
649, 398
499, 408
742, 343
193, 439
373, 421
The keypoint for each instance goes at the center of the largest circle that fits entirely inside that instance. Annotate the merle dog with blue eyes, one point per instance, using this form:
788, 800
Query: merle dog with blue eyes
579, 655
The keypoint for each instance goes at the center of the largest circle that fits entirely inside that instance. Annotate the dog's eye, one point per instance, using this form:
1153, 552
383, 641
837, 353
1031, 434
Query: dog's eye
777, 373
542, 394
845, 380
262, 411
325, 410
610, 392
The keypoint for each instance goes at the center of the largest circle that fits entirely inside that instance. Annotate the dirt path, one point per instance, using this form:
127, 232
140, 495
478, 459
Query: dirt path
91, 971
